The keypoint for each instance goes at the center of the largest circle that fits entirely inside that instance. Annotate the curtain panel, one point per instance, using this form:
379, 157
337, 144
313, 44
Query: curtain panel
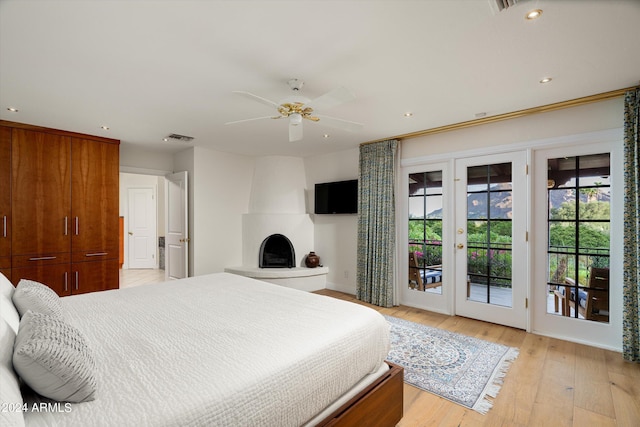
631, 259
376, 223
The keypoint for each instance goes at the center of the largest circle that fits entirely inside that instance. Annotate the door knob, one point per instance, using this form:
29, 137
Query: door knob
460, 246
131, 233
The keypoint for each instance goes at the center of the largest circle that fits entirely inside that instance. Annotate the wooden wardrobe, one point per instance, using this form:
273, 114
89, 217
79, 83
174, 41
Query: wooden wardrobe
59, 206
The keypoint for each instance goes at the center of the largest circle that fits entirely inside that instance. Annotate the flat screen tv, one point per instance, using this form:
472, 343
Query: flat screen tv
340, 197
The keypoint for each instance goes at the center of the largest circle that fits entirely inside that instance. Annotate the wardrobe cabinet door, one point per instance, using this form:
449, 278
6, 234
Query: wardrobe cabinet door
40, 192
5, 196
95, 276
94, 199
55, 276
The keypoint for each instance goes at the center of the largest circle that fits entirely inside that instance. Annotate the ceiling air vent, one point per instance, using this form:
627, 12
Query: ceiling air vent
500, 5
174, 137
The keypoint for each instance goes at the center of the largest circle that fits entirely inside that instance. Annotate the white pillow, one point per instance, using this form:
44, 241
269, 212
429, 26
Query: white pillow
53, 358
34, 296
10, 396
6, 287
9, 313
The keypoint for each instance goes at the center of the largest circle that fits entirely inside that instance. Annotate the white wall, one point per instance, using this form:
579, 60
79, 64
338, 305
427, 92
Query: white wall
219, 187
582, 119
140, 160
335, 236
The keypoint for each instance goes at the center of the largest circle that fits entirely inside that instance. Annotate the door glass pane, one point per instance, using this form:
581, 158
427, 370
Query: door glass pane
579, 193
489, 234
425, 232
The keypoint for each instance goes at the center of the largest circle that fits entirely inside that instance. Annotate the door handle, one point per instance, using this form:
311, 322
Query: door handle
131, 233
42, 258
185, 240
460, 246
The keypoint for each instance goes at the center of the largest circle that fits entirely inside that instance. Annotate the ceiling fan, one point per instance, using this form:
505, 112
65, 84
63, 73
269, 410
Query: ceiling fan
296, 108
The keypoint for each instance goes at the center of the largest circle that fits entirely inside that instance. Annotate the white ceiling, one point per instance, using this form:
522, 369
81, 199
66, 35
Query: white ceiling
150, 68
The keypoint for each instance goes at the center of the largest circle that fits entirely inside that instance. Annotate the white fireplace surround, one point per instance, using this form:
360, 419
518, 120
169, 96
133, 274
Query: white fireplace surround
277, 206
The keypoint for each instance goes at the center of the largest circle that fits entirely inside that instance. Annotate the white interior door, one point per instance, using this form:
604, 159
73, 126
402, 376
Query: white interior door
491, 240
177, 230
142, 228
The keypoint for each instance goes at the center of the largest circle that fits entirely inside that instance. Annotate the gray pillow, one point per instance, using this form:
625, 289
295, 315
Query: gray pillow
53, 358
6, 287
39, 298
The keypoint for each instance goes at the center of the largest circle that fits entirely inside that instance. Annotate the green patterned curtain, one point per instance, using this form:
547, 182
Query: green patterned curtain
376, 223
631, 276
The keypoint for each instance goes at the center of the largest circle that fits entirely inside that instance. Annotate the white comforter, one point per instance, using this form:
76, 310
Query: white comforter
219, 350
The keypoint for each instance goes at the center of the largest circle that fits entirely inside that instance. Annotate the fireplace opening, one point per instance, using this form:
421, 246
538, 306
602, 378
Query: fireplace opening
276, 251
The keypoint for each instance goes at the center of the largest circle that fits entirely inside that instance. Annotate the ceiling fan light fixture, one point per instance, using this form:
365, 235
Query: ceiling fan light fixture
295, 119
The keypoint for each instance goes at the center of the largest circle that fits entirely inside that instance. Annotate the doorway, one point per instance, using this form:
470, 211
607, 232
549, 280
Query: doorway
491, 238
135, 182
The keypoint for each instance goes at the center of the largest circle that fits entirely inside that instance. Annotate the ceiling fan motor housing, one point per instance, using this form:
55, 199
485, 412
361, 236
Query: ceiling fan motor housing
295, 84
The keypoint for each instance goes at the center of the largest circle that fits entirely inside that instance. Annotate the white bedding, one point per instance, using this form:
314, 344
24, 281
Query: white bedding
219, 350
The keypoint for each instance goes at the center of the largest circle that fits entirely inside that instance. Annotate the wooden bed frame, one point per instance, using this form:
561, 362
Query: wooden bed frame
378, 405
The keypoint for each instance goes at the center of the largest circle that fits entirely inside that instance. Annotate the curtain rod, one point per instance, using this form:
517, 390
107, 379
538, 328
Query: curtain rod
513, 115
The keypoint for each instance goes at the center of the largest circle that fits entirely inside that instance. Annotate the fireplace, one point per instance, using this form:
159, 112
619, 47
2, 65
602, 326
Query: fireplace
276, 251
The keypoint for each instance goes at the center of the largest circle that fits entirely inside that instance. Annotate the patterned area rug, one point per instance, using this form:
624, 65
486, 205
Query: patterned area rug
462, 369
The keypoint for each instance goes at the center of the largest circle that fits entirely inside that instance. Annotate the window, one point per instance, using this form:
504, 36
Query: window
578, 197
425, 231
489, 233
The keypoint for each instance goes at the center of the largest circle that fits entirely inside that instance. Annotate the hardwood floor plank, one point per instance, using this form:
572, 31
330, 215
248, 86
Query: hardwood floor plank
593, 391
625, 390
583, 417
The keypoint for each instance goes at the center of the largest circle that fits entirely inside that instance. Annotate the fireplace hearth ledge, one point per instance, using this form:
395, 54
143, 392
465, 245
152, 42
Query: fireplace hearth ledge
301, 278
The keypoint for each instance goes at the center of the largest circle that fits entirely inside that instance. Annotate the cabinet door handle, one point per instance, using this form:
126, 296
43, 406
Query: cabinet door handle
66, 287
66, 224
42, 258
77, 226
77, 279
4, 226
97, 254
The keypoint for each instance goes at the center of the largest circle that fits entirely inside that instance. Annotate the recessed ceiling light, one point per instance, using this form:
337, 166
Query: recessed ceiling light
533, 14
165, 139
12, 109
326, 135
104, 127
546, 80
408, 114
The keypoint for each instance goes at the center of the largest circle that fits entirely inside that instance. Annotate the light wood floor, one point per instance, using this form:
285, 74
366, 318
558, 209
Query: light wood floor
552, 382
136, 277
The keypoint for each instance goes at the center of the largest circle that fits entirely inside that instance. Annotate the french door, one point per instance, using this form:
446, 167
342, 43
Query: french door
426, 254
491, 262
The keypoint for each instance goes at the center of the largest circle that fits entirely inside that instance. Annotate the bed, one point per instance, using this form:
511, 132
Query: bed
223, 349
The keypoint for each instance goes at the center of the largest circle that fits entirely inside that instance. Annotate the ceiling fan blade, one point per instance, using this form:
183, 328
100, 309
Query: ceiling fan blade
331, 99
295, 132
340, 124
251, 120
255, 97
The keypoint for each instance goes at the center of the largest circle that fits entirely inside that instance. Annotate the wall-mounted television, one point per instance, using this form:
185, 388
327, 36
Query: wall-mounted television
340, 197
